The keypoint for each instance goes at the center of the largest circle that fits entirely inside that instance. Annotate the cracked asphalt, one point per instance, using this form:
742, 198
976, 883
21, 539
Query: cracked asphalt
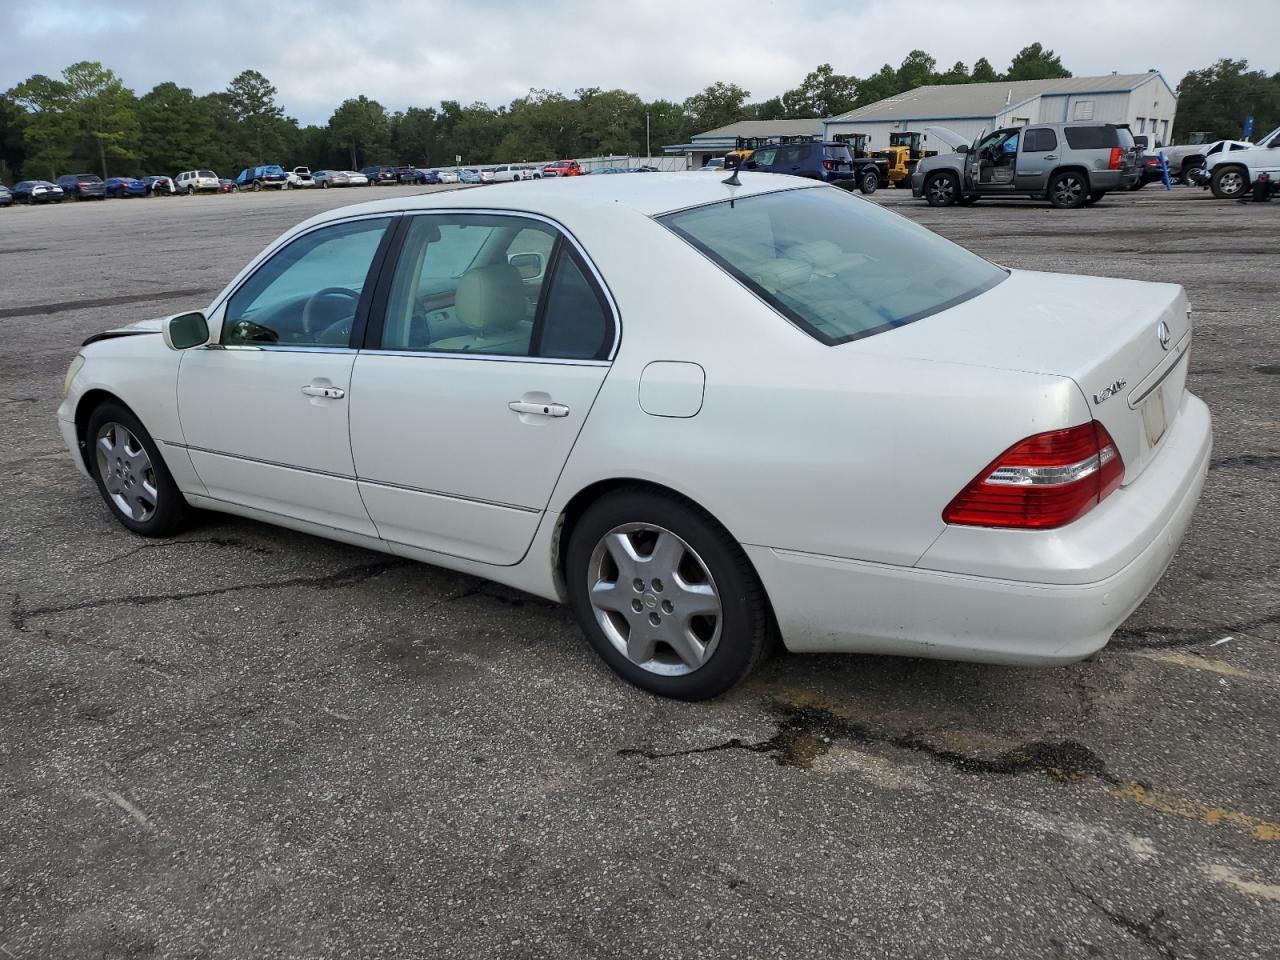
249, 743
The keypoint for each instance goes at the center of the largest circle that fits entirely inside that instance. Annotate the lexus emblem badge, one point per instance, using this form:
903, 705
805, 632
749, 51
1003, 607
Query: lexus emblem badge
1164, 335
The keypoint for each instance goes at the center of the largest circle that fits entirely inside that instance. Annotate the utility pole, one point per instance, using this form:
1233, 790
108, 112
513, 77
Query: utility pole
648, 151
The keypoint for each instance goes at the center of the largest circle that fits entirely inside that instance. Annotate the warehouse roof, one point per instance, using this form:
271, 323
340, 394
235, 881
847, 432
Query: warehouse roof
764, 128
957, 100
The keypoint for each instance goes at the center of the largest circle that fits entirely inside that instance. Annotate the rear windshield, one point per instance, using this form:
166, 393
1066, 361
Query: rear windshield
837, 266
837, 151
1092, 138
207, 173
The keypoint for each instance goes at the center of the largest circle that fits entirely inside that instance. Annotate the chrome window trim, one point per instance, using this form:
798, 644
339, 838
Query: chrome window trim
280, 348
467, 355
561, 229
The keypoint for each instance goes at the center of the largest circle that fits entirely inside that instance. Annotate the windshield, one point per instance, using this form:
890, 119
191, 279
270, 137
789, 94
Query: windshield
837, 266
1266, 141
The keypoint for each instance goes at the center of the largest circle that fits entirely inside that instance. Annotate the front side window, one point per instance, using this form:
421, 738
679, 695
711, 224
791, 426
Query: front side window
308, 293
840, 268
493, 285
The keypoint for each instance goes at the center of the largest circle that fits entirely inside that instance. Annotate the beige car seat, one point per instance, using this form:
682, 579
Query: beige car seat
491, 301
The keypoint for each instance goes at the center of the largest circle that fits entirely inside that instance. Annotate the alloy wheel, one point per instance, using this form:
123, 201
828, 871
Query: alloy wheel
654, 598
127, 472
942, 189
1068, 191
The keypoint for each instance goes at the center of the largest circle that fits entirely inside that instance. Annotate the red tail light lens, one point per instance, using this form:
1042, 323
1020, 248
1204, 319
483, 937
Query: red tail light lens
828, 165
1116, 154
1045, 481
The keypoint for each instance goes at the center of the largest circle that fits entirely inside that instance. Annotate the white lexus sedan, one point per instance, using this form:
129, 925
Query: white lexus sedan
703, 414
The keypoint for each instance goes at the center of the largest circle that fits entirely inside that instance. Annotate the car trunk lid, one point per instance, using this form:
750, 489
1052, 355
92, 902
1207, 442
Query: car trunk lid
1124, 343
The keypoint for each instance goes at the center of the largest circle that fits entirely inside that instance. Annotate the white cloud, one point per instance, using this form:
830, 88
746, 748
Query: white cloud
410, 52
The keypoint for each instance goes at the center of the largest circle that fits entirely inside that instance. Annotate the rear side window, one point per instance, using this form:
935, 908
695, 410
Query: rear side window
838, 267
1092, 138
1039, 141
576, 324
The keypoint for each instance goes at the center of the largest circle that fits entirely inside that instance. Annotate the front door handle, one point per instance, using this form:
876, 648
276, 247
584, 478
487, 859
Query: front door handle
547, 409
329, 393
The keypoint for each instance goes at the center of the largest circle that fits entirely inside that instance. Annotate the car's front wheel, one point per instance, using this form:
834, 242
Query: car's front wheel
1069, 190
1229, 183
942, 190
869, 182
665, 595
131, 476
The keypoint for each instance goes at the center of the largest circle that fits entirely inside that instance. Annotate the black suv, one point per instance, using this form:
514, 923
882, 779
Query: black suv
83, 186
381, 174
830, 162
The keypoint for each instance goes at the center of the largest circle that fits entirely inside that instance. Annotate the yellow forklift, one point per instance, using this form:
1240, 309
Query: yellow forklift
906, 149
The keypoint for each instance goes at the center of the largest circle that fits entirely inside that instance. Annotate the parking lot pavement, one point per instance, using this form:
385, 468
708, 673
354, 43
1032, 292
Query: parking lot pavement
246, 742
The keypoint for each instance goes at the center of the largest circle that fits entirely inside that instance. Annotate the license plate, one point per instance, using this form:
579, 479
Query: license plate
1153, 416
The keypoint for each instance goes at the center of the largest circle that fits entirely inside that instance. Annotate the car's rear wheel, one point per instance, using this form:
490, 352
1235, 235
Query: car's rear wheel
1229, 183
942, 190
665, 595
257, 187
131, 475
1188, 165
869, 182
1068, 191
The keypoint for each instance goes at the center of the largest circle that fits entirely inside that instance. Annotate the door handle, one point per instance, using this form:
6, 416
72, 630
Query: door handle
538, 409
329, 393
1051, 156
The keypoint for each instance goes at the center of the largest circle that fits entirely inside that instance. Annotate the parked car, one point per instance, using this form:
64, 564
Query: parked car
562, 168
830, 162
192, 182
944, 458
447, 176
1069, 164
300, 177
427, 177
157, 186
356, 179
83, 186
227, 186
510, 172
713, 165
330, 178
122, 187
6, 196
37, 191
381, 175
468, 176
486, 174
1232, 172
269, 176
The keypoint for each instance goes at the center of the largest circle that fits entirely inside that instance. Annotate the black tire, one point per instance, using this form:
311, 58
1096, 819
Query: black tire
1069, 190
1189, 164
745, 623
235, 188
869, 182
1230, 182
257, 187
942, 189
969, 201
171, 513
1097, 195
191, 191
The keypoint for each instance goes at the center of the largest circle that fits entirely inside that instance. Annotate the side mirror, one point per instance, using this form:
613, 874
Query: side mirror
963, 148
185, 331
530, 265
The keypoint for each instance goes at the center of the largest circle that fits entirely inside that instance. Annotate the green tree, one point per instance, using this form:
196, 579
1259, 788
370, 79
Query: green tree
983, 72
13, 123
916, 71
612, 121
771, 109
361, 128
260, 123
49, 131
822, 93
415, 136
1035, 63
1219, 98
959, 73
717, 105
881, 84
176, 129
667, 124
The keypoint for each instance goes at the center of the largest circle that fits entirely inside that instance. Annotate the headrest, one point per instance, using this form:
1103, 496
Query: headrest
491, 298
818, 253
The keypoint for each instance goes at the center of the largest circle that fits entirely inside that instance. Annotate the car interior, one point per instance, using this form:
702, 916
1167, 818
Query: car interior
997, 157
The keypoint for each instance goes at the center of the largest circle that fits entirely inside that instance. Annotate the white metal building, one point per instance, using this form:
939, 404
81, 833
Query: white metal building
1145, 101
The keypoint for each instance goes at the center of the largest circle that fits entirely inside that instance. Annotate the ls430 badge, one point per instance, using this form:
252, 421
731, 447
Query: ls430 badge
1108, 391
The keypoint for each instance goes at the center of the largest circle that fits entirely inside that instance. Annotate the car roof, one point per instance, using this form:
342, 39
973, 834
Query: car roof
650, 196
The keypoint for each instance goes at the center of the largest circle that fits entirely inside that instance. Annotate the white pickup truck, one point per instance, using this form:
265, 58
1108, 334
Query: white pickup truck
1188, 157
1232, 172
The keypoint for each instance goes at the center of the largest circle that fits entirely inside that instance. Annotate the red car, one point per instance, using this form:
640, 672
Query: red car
562, 168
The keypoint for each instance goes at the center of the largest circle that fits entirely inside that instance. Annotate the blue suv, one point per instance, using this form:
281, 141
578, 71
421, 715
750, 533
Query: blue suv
268, 175
830, 162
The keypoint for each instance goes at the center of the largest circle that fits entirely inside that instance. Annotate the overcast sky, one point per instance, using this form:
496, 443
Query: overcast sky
417, 52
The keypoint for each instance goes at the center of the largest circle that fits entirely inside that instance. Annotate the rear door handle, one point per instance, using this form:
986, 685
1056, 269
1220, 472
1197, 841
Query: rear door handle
538, 409
329, 393
1051, 156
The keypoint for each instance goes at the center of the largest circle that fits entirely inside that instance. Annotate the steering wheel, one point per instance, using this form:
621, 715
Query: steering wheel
328, 293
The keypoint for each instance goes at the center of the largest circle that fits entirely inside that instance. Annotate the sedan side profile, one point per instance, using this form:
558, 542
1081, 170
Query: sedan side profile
797, 415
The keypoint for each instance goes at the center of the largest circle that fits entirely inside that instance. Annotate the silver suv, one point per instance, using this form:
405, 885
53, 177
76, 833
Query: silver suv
1069, 164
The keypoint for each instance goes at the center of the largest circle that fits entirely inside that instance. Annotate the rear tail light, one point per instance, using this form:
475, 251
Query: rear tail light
1116, 154
828, 165
1045, 481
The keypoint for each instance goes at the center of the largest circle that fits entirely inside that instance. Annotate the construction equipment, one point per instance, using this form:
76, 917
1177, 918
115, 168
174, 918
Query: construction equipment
906, 149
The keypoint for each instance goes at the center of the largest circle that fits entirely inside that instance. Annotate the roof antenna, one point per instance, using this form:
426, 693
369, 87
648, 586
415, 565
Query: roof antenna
733, 181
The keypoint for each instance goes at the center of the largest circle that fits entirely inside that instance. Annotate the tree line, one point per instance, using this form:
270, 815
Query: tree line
86, 119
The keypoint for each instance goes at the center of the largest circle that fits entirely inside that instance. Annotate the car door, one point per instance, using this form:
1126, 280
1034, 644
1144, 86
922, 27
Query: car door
1036, 157
475, 382
264, 410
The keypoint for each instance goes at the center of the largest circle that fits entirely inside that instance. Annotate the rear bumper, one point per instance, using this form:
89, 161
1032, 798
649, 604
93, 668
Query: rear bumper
829, 604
